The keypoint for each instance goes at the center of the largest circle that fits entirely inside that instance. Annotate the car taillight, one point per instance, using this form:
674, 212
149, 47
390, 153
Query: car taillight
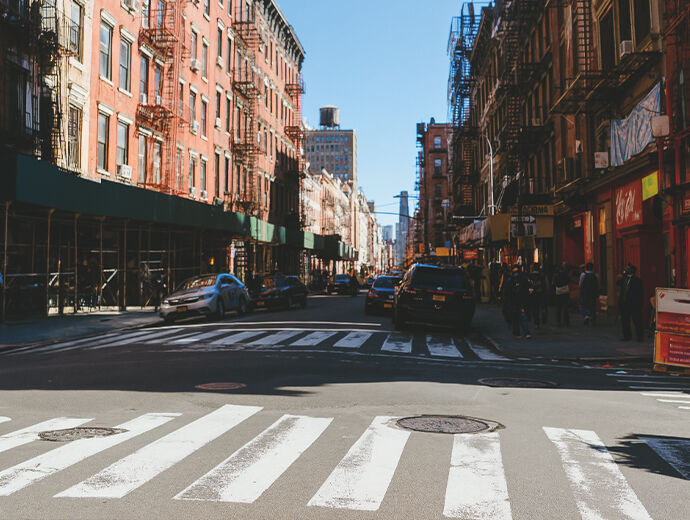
372, 293
407, 290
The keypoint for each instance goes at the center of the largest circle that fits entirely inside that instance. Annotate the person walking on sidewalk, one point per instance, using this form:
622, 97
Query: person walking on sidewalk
631, 301
589, 292
538, 307
515, 301
562, 290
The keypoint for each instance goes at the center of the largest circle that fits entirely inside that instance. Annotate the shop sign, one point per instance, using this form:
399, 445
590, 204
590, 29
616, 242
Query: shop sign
470, 254
523, 226
536, 210
650, 185
672, 345
601, 160
442, 251
685, 208
629, 205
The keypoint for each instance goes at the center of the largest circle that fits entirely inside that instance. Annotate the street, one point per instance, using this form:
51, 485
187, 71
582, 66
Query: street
298, 419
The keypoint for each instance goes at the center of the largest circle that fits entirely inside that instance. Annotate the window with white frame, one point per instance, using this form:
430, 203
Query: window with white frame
76, 30
122, 143
102, 146
74, 122
204, 60
204, 114
142, 159
192, 170
143, 78
106, 50
125, 63
157, 145
202, 174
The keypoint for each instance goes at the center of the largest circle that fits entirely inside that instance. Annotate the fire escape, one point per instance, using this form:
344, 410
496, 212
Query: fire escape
247, 84
163, 31
420, 223
295, 132
677, 37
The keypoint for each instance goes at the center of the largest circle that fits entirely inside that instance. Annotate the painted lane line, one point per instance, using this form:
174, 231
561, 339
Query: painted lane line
684, 407
484, 353
440, 347
663, 395
641, 376
674, 451
30, 433
167, 338
239, 337
277, 338
477, 486
362, 477
678, 401
649, 382
49, 463
126, 475
679, 388
398, 343
353, 340
251, 470
599, 487
313, 339
199, 337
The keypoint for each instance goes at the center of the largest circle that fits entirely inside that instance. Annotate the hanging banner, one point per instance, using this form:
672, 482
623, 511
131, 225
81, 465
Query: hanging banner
650, 185
631, 135
629, 205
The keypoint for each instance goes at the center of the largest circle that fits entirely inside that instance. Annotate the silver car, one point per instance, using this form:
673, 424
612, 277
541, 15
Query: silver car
206, 295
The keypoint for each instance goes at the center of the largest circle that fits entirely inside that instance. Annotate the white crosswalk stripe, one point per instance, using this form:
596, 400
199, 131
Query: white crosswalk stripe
353, 340
599, 487
131, 472
674, 451
200, 336
484, 353
442, 347
398, 343
314, 338
18, 477
30, 433
477, 486
251, 470
362, 478
4, 419
239, 337
277, 338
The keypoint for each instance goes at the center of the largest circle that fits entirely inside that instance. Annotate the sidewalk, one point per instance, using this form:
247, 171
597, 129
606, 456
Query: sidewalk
577, 342
71, 326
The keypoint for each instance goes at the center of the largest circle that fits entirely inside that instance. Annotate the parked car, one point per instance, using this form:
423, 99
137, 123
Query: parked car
434, 294
279, 291
381, 295
342, 284
368, 282
207, 295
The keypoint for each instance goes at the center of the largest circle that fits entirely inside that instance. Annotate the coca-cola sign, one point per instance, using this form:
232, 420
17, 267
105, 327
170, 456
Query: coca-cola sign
629, 205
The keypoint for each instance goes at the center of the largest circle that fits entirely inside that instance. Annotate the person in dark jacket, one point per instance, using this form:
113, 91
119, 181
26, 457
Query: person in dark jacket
630, 301
538, 307
589, 292
562, 289
516, 294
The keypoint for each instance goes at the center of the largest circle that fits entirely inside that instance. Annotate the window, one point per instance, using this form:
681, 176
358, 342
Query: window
437, 142
227, 173
156, 162
228, 113
220, 42
178, 168
228, 57
204, 60
219, 96
192, 106
642, 21
437, 190
143, 159
193, 45
122, 143
192, 171
216, 182
125, 63
143, 77
607, 39
145, 13
180, 110
160, 13
204, 110
202, 175
106, 50
437, 166
76, 30
157, 80
102, 147
207, 7
74, 138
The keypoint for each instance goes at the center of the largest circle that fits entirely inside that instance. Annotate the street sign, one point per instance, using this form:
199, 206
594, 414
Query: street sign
601, 160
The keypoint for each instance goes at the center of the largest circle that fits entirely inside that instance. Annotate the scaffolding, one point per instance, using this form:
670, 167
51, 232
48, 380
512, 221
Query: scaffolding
162, 30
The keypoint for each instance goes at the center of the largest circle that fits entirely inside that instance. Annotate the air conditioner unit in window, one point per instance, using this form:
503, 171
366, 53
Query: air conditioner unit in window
192, 192
219, 61
203, 194
124, 171
143, 99
195, 127
159, 99
218, 122
195, 65
625, 48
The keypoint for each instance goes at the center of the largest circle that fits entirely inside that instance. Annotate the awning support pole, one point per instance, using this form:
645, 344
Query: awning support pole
4, 262
76, 264
50, 219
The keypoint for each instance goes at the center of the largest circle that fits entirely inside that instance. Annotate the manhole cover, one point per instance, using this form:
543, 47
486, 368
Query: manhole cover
446, 424
73, 434
220, 386
516, 382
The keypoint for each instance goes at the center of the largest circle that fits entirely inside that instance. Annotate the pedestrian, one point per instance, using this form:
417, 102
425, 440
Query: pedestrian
494, 280
516, 301
475, 273
562, 289
630, 302
537, 307
589, 292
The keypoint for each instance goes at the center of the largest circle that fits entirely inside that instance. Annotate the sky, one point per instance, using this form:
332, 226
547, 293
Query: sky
384, 64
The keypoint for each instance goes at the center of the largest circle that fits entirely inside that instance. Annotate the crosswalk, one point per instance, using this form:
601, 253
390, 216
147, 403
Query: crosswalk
181, 339
669, 389
477, 484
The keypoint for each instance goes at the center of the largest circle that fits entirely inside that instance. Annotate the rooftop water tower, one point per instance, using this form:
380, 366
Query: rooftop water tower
330, 117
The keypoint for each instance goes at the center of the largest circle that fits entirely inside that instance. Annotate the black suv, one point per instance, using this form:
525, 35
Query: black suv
436, 294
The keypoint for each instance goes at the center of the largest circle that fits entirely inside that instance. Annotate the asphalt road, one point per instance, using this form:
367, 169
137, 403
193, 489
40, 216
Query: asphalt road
311, 432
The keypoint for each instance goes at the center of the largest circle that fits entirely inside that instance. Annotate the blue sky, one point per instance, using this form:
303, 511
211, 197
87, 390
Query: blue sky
384, 64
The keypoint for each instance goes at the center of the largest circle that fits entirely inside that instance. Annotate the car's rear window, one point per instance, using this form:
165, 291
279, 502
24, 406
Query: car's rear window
386, 282
446, 278
195, 283
271, 282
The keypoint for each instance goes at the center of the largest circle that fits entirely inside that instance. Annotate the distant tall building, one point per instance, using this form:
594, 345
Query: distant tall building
401, 229
388, 233
332, 148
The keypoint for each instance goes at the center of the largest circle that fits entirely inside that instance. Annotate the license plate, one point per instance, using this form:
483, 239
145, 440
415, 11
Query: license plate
182, 309
387, 305
439, 298
260, 304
